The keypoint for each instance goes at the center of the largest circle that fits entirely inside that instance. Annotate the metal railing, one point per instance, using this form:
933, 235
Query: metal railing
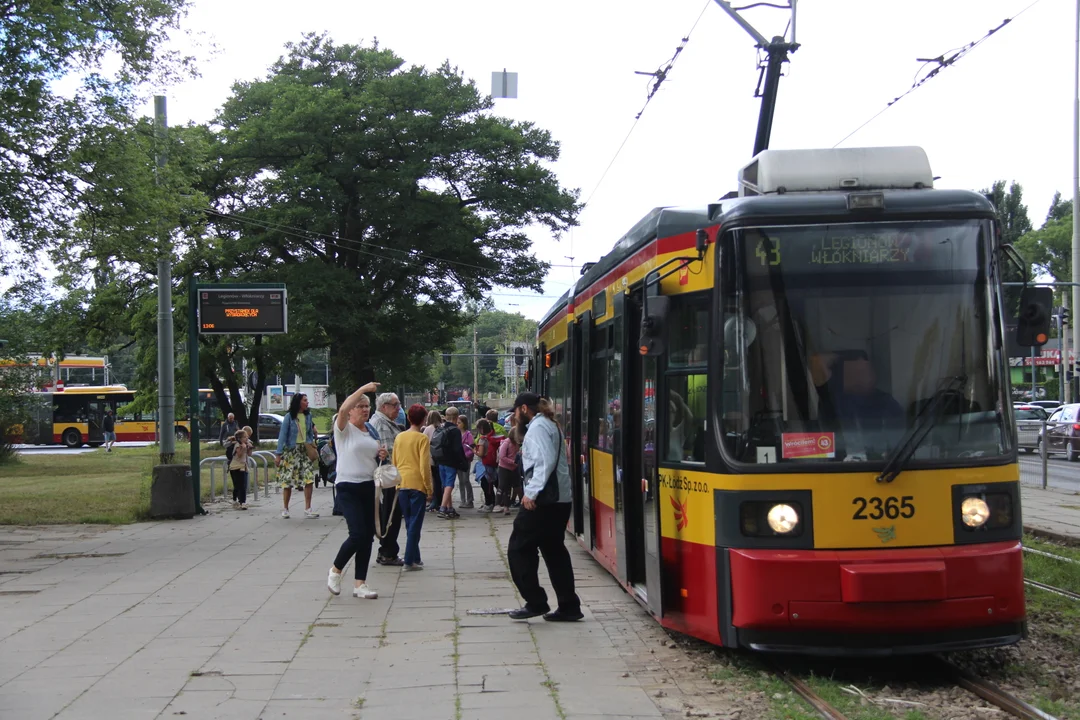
263, 459
268, 460
1043, 446
212, 462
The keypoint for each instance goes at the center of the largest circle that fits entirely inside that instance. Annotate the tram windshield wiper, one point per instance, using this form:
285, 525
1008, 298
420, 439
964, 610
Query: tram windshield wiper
924, 423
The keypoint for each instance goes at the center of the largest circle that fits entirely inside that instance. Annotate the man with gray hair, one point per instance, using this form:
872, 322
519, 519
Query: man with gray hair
387, 406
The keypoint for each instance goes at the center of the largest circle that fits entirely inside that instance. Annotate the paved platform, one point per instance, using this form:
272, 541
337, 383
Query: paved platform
227, 616
1053, 512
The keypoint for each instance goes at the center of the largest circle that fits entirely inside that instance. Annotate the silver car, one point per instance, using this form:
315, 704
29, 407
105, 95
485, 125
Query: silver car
1029, 425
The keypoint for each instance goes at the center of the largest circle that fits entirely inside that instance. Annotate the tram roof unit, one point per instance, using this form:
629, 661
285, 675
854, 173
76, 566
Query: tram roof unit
838, 169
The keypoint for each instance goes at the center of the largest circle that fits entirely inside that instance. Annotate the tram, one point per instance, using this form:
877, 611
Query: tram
788, 411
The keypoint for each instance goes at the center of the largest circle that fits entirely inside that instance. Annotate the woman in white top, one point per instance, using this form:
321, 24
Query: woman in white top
358, 454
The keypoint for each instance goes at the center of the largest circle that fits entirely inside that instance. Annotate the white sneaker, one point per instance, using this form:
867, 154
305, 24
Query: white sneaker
309, 513
364, 592
285, 514
333, 582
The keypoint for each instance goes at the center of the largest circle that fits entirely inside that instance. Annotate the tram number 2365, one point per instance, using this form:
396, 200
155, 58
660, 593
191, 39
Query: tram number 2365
876, 508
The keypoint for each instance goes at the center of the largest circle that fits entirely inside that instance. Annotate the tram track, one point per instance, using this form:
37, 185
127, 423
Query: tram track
1046, 587
984, 689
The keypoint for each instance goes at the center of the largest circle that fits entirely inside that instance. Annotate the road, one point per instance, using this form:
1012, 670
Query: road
60, 449
1060, 473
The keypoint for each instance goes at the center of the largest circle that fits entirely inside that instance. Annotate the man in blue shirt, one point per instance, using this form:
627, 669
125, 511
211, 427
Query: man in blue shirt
540, 526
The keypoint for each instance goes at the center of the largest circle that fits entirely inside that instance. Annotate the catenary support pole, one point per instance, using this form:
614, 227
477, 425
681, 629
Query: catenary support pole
193, 390
166, 389
1076, 192
476, 365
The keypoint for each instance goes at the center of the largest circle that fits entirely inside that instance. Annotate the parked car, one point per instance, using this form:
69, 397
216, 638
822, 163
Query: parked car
1063, 432
1029, 425
1050, 405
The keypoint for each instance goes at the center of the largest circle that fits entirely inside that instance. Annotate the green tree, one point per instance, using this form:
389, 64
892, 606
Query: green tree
495, 329
385, 197
40, 128
1049, 248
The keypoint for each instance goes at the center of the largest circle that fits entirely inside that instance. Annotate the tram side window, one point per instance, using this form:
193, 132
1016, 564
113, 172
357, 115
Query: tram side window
686, 380
599, 417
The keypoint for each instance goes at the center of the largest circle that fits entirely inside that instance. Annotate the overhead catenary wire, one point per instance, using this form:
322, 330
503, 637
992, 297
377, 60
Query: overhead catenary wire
659, 76
942, 61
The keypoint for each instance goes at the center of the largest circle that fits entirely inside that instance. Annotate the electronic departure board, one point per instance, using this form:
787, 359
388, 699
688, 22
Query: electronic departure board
243, 311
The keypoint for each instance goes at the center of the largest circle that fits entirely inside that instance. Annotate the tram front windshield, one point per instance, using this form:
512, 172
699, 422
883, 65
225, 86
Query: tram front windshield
840, 339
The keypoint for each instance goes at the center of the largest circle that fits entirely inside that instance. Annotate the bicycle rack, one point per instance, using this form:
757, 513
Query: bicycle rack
268, 458
224, 474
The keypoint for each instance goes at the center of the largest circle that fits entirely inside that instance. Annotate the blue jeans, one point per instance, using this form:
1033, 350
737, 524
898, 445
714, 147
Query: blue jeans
412, 504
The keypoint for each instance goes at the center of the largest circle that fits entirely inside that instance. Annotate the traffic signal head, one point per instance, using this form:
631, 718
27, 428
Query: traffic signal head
1064, 312
1033, 320
519, 355
446, 358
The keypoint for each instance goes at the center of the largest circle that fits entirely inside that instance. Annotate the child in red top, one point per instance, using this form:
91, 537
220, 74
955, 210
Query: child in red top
508, 451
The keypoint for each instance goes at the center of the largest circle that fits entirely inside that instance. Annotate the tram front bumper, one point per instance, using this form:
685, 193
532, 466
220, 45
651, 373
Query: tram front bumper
878, 601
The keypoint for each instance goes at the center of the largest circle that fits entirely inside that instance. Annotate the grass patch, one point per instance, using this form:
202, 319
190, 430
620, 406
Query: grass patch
850, 705
1054, 572
94, 487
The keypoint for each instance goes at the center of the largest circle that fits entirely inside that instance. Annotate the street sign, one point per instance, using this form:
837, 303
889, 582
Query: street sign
243, 310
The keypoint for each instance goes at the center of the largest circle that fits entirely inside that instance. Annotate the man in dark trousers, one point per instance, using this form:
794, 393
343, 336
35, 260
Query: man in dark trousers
228, 429
540, 526
108, 426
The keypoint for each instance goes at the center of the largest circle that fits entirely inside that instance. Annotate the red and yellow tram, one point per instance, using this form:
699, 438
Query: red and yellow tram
787, 412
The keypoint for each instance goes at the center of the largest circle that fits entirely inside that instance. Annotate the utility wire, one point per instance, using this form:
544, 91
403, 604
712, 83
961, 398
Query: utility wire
941, 62
659, 76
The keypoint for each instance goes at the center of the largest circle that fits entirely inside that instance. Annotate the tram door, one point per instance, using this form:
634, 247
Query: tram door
579, 427
629, 500
641, 393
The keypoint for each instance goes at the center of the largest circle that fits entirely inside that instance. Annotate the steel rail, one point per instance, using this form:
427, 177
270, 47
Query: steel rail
1051, 589
1051, 555
823, 708
994, 695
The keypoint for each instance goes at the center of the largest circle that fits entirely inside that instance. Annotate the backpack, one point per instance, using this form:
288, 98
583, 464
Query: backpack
230, 447
491, 457
438, 442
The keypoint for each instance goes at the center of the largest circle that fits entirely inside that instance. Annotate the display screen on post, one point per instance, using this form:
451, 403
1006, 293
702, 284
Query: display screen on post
243, 311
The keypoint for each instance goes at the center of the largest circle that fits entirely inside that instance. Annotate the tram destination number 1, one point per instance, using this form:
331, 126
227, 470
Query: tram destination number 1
889, 507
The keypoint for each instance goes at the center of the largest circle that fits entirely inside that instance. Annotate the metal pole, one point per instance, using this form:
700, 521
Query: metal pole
193, 390
1076, 181
1043, 453
778, 52
476, 364
166, 390
1033, 398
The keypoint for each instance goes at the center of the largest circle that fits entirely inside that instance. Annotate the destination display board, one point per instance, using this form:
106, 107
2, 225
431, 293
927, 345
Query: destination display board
243, 311
907, 247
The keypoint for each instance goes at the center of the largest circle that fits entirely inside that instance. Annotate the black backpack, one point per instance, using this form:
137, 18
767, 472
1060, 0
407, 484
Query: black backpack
438, 440
230, 447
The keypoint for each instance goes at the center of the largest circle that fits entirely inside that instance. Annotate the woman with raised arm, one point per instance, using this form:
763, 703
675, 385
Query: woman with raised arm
359, 452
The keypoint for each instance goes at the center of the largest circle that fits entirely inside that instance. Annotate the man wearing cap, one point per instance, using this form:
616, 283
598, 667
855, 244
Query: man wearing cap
540, 526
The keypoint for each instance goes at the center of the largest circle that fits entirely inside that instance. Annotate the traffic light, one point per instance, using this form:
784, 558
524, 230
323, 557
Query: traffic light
1063, 312
1033, 321
446, 358
519, 355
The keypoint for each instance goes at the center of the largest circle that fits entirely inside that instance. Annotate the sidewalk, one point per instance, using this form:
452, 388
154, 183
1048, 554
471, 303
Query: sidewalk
228, 616
1053, 512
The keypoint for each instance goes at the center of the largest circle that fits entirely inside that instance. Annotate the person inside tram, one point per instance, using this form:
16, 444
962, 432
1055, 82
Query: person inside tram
847, 388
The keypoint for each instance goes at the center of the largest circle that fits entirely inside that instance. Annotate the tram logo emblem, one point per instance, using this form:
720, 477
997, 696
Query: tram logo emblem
681, 519
886, 534
684, 275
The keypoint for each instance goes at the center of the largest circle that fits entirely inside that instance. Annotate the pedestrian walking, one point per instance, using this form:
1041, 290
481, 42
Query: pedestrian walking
229, 428
540, 526
489, 457
294, 456
359, 451
465, 488
412, 458
508, 452
242, 448
449, 457
387, 407
108, 426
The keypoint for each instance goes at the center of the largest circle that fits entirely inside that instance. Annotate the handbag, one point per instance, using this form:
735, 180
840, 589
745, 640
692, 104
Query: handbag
387, 476
327, 455
312, 452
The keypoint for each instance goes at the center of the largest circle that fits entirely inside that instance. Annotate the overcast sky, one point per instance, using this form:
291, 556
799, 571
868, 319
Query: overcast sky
1002, 112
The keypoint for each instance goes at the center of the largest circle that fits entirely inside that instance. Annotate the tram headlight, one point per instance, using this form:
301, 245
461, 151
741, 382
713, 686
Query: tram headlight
783, 519
974, 512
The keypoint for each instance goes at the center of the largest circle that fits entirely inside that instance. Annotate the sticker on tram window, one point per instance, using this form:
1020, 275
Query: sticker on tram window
766, 455
876, 508
808, 445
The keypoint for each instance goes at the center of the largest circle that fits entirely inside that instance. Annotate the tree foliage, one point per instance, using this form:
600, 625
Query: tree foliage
495, 329
40, 127
385, 198
1049, 249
